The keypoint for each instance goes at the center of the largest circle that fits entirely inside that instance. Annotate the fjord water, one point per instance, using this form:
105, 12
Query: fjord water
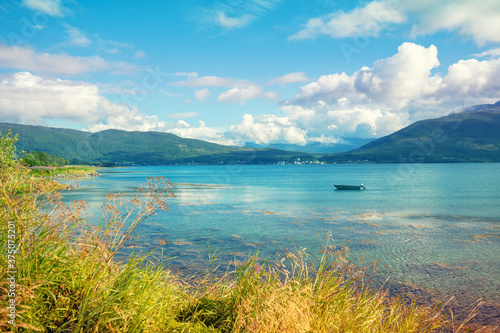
433, 226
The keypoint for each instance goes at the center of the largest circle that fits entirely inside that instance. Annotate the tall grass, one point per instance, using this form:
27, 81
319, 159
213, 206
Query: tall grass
67, 280
67, 171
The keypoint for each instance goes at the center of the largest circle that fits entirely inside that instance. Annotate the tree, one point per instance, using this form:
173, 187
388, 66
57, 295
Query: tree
8, 156
40, 158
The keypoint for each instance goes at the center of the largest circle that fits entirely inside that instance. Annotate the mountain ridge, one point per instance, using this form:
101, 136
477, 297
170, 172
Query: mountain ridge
136, 147
469, 135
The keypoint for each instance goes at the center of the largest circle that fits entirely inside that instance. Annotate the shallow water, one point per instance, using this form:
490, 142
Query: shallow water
433, 226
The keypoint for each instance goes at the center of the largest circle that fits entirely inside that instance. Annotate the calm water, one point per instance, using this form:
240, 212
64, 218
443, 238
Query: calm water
435, 226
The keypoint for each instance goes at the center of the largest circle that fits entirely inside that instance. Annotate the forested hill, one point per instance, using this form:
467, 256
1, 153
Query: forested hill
143, 148
472, 135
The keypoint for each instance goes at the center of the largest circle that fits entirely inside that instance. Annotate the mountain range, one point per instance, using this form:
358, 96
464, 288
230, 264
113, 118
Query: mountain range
471, 135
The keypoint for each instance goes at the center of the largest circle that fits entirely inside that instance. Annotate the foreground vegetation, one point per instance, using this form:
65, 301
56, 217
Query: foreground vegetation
66, 280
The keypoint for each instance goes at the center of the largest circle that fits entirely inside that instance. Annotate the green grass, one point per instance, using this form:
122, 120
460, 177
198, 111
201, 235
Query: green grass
67, 171
67, 280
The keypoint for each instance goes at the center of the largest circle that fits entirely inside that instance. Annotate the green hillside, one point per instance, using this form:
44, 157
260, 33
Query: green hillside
469, 136
142, 148
472, 135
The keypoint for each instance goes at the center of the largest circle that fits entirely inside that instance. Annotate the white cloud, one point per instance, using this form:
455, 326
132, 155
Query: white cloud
239, 90
139, 54
189, 75
369, 20
56, 99
202, 95
193, 80
324, 139
479, 20
233, 22
490, 53
269, 128
184, 115
23, 58
230, 15
77, 38
48, 99
202, 132
83, 104
240, 95
476, 82
290, 78
394, 81
119, 116
391, 94
49, 7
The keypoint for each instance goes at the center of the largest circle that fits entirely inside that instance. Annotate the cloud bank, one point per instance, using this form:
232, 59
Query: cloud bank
24, 58
371, 102
477, 20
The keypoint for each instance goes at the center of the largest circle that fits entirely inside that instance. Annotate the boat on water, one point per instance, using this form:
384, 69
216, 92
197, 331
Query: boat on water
349, 187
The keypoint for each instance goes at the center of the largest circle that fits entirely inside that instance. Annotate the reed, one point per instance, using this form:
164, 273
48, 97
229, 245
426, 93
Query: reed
67, 280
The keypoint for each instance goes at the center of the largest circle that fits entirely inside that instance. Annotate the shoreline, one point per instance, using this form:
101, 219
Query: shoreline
72, 171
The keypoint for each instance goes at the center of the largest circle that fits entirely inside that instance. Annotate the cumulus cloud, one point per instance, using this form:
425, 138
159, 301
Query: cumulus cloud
24, 58
76, 37
265, 129
202, 95
119, 116
394, 92
368, 20
83, 104
48, 99
56, 99
394, 81
240, 95
290, 78
202, 132
474, 81
479, 20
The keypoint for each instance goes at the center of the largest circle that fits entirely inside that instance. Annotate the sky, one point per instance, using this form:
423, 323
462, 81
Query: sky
234, 72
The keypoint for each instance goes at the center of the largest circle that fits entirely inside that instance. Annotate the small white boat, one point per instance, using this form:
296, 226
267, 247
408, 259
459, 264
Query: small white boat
349, 187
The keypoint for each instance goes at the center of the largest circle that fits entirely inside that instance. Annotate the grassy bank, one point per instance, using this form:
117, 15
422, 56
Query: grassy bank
73, 171
61, 276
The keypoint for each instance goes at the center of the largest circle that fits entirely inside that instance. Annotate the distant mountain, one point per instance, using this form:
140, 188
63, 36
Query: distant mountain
143, 148
343, 145
471, 135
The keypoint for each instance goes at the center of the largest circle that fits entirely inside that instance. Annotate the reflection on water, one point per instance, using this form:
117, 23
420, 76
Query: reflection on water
423, 225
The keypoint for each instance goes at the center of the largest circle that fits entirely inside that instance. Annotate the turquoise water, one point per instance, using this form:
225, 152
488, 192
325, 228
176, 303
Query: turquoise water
434, 226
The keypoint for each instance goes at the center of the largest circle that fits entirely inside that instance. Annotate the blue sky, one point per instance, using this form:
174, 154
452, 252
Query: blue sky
230, 72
